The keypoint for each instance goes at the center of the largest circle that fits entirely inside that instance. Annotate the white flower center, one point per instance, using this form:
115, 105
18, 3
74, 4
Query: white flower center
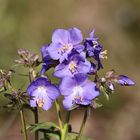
41, 89
77, 91
77, 94
40, 99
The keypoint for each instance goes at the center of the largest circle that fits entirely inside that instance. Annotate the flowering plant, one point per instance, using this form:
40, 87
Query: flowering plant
76, 63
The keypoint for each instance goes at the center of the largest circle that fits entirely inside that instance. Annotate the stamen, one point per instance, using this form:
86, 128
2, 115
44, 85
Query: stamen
72, 66
65, 48
78, 99
103, 54
40, 102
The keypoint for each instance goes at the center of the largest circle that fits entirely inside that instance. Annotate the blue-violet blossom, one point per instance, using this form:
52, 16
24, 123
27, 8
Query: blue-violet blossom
94, 49
125, 81
76, 63
47, 61
42, 93
77, 90
63, 42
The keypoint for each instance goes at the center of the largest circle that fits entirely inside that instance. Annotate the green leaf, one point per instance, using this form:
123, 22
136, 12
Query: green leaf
55, 135
51, 134
10, 106
73, 136
42, 126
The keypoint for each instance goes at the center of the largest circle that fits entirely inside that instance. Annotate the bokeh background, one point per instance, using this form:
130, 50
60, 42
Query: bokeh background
30, 23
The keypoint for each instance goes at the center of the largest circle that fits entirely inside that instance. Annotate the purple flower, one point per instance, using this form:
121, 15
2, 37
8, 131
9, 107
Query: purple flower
42, 93
91, 37
92, 68
91, 43
63, 42
94, 49
125, 81
77, 90
46, 59
77, 63
44, 53
44, 68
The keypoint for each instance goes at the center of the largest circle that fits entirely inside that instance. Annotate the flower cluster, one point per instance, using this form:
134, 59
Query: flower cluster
74, 60
75, 63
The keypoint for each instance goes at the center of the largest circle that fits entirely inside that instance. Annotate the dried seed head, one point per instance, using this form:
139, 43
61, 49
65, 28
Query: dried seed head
27, 58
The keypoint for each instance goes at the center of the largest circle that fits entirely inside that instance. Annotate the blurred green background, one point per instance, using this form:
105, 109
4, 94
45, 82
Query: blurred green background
30, 23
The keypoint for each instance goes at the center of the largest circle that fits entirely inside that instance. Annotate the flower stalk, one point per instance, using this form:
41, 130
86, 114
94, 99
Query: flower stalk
59, 114
31, 78
83, 124
36, 121
65, 128
23, 124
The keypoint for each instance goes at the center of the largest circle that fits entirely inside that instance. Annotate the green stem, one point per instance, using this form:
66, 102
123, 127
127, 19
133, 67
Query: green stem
59, 114
65, 128
23, 124
82, 125
20, 107
31, 78
36, 121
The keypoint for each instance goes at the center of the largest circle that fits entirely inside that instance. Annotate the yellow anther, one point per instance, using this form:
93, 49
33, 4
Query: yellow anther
103, 54
79, 98
72, 66
40, 102
105, 57
66, 47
